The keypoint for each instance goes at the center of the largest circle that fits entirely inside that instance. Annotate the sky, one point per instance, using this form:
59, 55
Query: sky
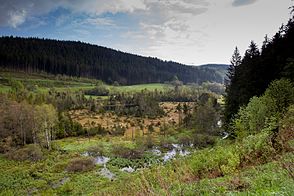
191, 32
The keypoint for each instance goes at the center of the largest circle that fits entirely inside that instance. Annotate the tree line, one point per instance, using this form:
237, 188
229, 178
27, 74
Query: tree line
91, 61
252, 74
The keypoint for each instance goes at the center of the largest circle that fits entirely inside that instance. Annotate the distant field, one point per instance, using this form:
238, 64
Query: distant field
45, 82
140, 87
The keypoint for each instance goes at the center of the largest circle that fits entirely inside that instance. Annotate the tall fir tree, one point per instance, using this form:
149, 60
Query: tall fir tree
235, 62
258, 69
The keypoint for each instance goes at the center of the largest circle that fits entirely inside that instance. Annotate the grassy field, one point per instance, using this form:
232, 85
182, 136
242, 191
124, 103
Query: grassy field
211, 171
140, 87
46, 82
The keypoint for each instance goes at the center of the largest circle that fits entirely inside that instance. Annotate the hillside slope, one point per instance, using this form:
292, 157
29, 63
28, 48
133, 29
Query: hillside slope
86, 60
220, 69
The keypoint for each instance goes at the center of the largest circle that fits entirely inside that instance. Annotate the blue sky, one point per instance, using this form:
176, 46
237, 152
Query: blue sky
187, 31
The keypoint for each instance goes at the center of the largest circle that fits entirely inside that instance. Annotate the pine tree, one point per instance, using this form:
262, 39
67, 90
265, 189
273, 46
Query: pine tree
235, 61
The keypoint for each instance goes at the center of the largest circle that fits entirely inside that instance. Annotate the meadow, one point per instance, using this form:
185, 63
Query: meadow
45, 82
211, 171
178, 148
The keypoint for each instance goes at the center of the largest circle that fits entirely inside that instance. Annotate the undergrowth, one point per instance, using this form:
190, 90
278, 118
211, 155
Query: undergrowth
258, 164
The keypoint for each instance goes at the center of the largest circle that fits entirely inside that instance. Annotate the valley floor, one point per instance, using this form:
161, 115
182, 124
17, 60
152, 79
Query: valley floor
249, 167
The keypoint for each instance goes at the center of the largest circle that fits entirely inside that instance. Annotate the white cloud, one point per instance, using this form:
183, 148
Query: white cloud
15, 12
208, 34
99, 21
17, 17
167, 29
101, 6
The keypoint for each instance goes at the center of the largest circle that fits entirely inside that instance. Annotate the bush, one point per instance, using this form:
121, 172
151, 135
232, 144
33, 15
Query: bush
81, 164
252, 118
185, 138
282, 92
99, 90
264, 113
256, 148
6, 144
30, 152
166, 143
118, 130
286, 129
128, 153
203, 141
97, 150
98, 130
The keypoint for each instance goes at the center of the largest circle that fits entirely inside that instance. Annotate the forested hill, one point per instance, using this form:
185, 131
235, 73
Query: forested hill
220, 69
86, 60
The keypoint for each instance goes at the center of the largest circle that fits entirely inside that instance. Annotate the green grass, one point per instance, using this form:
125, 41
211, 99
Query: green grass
140, 87
211, 171
4, 88
75, 144
268, 179
45, 82
217, 171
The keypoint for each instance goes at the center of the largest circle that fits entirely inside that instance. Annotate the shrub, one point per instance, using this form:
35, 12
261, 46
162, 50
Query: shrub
252, 118
149, 141
118, 130
128, 153
97, 150
255, 148
185, 138
98, 130
282, 92
166, 142
263, 113
6, 144
30, 152
203, 140
100, 90
81, 164
286, 129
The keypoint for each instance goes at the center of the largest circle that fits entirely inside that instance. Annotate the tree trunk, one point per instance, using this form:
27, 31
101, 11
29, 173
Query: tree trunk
47, 136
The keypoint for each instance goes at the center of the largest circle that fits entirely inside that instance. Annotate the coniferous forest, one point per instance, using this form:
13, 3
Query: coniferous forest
86, 60
251, 75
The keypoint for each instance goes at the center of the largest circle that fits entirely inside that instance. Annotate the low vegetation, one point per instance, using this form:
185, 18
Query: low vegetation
80, 164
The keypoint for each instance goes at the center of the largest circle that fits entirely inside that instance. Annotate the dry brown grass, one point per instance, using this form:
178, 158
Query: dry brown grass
81, 164
134, 126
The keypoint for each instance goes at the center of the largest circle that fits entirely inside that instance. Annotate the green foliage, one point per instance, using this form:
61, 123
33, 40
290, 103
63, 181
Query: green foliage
264, 113
252, 119
242, 167
128, 153
282, 93
99, 90
203, 140
138, 104
97, 150
288, 120
205, 117
16, 86
259, 68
